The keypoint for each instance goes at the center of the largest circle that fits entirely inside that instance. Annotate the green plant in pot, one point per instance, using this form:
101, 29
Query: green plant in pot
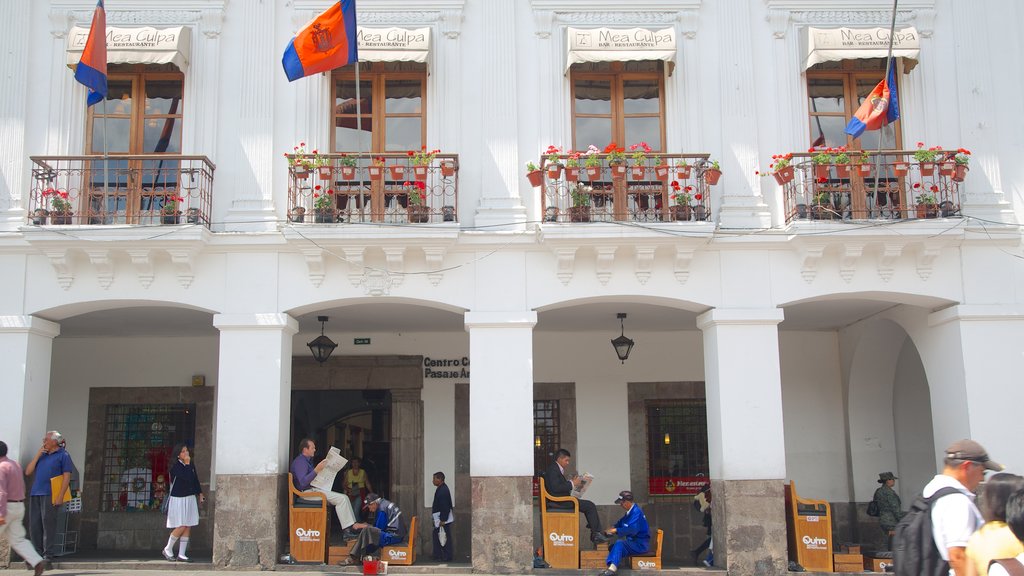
581, 198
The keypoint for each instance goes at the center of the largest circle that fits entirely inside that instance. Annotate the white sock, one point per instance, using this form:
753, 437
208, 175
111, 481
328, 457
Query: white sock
183, 547
612, 568
169, 549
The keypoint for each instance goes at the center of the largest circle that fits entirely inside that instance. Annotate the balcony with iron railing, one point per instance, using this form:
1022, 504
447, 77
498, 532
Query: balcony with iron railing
382, 188
887, 185
661, 188
142, 189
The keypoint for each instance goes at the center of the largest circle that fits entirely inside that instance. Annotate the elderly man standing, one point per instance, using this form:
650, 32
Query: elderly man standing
303, 473
52, 461
12, 510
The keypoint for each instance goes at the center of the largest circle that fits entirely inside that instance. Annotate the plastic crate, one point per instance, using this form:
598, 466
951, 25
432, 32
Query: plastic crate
74, 505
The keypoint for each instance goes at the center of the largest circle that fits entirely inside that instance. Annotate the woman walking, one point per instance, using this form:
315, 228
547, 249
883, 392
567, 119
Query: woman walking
183, 506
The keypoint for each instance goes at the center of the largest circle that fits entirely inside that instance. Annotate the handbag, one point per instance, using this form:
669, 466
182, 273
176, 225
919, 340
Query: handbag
167, 499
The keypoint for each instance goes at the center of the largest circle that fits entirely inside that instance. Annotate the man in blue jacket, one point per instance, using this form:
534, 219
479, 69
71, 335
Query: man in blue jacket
388, 528
634, 535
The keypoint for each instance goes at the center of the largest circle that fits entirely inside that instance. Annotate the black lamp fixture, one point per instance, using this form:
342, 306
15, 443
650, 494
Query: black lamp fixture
622, 344
321, 346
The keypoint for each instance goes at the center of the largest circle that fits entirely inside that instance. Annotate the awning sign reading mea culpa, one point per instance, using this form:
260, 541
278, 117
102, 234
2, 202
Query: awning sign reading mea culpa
620, 45
144, 45
393, 44
833, 45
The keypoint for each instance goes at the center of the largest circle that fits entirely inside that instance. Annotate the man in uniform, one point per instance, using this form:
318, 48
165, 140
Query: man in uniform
890, 510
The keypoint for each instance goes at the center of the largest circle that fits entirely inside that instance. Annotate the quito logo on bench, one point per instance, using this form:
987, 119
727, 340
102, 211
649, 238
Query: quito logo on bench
646, 564
815, 543
397, 554
307, 535
561, 539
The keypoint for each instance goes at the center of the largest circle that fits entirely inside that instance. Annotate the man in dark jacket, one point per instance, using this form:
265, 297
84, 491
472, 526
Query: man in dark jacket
890, 509
387, 528
441, 511
557, 484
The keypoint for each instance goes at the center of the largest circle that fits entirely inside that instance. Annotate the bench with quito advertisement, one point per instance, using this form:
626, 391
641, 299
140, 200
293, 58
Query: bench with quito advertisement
560, 530
403, 554
651, 560
307, 525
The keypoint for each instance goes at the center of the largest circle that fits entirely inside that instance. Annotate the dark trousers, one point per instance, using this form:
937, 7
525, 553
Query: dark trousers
367, 543
587, 508
42, 523
444, 553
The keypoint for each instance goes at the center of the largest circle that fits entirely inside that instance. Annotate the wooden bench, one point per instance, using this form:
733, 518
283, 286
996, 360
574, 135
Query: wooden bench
560, 530
307, 524
405, 554
649, 560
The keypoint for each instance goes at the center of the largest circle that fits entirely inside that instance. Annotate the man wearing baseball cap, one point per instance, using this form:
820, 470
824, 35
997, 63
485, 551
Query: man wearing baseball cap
387, 528
634, 535
954, 516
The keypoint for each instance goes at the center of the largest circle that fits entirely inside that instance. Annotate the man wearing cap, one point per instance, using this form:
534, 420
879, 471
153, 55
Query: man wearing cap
954, 516
387, 528
634, 535
890, 509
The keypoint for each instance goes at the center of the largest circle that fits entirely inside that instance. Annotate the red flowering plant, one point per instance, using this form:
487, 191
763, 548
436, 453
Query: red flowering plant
639, 152
616, 154
299, 158
417, 192
423, 157
829, 155
552, 154
593, 158
682, 195
171, 204
323, 200
573, 159
963, 156
58, 199
928, 155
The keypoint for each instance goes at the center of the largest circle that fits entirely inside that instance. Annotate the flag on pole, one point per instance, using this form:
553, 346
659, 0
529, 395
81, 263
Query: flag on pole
881, 107
91, 71
326, 43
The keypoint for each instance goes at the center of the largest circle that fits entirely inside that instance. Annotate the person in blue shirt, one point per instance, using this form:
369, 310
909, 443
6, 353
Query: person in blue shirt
304, 472
387, 528
51, 461
634, 535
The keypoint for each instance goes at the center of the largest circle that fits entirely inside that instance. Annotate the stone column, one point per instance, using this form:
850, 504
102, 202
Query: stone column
745, 439
407, 473
501, 433
251, 459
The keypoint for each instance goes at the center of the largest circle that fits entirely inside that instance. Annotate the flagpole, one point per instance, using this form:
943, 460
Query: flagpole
359, 139
888, 67
106, 181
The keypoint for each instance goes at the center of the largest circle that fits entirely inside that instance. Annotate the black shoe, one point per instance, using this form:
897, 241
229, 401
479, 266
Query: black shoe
41, 567
696, 558
598, 538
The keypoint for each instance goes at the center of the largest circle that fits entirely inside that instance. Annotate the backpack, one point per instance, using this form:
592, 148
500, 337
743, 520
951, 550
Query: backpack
873, 509
914, 549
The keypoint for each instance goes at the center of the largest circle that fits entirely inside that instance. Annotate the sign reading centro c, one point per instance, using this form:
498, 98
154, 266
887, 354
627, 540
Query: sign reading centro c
446, 367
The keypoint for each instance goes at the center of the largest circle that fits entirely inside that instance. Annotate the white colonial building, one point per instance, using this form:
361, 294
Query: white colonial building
166, 258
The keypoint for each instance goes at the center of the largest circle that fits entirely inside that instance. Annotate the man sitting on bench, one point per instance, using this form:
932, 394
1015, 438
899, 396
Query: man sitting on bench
558, 485
634, 536
387, 528
304, 472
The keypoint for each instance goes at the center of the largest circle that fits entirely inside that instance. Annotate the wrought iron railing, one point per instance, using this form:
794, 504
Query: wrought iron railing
145, 189
386, 188
662, 188
887, 185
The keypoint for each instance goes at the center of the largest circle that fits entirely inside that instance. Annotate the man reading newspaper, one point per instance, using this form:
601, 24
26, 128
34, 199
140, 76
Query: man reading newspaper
320, 478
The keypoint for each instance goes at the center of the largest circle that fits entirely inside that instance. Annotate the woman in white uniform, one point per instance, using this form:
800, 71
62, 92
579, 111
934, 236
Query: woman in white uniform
183, 508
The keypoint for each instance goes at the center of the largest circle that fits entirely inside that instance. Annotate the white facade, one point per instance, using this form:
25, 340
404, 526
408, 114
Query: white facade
830, 351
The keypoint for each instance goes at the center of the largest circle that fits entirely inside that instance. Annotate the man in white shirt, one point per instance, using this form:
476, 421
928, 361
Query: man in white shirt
954, 516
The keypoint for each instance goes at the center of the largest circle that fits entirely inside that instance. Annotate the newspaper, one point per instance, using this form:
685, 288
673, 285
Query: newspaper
334, 462
585, 481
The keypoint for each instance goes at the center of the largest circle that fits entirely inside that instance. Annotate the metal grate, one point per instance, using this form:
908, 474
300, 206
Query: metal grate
677, 445
547, 436
138, 442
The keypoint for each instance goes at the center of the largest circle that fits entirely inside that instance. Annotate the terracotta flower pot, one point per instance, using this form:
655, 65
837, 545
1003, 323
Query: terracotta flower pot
959, 172
554, 171
300, 172
900, 169
822, 171
618, 171
447, 168
681, 212
661, 172
926, 210
420, 173
784, 175
843, 170
397, 171
60, 218
637, 172
536, 178
325, 172
946, 168
593, 172
683, 172
418, 213
712, 175
348, 172
927, 168
325, 216
572, 174
376, 172
864, 169
579, 213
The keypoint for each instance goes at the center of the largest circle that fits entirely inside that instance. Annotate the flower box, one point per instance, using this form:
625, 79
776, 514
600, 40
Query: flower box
572, 174
637, 172
683, 172
420, 173
959, 172
554, 171
593, 172
843, 170
447, 168
376, 172
348, 172
946, 168
712, 175
536, 178
927, 168
325, 172
681, 212
618, 171
418, 213
397, 171
661, 172
579, 213
60, 218
784, 175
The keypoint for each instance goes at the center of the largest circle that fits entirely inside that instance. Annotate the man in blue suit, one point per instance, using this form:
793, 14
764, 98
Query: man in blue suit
634, 535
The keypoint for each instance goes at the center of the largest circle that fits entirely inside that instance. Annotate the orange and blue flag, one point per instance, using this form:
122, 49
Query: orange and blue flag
881, 107
326, 43
92, 68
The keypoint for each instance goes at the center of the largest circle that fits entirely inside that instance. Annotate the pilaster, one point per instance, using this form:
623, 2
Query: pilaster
14, 48
27, 342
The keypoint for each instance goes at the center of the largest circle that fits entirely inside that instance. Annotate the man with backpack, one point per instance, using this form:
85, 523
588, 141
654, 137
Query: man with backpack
932, 538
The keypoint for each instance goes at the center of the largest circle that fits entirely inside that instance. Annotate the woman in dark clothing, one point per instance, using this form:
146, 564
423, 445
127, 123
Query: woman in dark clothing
183, 506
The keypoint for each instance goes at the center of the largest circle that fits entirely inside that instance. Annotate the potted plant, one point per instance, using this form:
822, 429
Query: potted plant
580, 209
323, 205
616, 160
396, 170
960, 161
348, 167
298, 215
822, 208
822, 161
592, 163
863, 163
39, 216
683, 169
554, 162
639, 154
60, 205
572, 167
376, 168
661, 169
841, 159
418, 210
681, 196
926, 158
299, 163
421, 162
193, 215
782, 168
169, 212
322, 165
713, 172
447, 167
534, 175
927, 205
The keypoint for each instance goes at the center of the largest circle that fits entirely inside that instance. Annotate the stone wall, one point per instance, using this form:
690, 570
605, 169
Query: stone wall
502, 518
249, 510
